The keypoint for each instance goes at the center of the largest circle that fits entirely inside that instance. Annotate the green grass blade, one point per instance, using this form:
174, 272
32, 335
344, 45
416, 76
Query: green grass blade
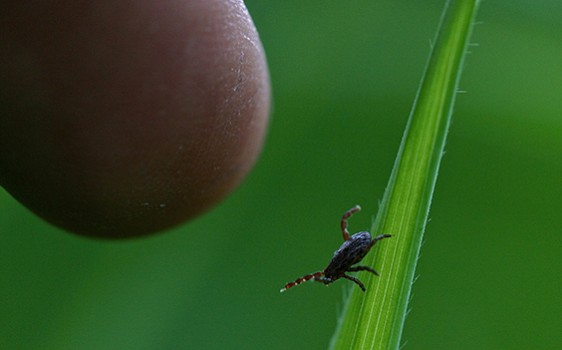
375, 320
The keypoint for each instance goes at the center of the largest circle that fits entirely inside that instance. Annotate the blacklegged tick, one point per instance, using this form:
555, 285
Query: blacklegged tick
352, 251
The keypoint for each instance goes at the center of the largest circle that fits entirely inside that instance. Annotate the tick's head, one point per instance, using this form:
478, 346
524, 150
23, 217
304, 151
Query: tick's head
326, 279
362, 236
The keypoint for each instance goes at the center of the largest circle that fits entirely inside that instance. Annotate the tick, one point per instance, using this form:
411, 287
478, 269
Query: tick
352, 251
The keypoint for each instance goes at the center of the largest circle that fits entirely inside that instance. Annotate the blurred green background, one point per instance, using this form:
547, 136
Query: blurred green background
344, 76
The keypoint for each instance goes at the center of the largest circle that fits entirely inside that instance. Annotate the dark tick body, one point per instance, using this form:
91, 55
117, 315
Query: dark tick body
352, 251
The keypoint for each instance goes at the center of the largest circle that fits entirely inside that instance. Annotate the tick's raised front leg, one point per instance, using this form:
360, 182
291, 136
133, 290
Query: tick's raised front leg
344, 218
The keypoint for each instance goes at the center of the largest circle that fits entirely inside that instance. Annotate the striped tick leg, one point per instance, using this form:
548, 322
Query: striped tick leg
344, 218
317, 276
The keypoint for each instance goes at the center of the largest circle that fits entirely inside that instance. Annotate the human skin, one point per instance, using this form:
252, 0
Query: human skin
124, 118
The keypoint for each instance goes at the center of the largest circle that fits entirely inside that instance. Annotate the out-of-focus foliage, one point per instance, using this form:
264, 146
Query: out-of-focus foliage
344, 75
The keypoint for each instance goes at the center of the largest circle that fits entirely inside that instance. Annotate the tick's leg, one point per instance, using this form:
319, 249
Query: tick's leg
354, 280
316, 276
363, 268
344, 221
378, 238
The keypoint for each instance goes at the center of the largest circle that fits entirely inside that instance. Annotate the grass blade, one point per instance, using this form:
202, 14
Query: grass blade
375, 320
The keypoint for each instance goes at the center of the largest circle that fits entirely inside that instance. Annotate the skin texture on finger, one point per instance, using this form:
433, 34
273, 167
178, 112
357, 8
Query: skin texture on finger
125, 118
